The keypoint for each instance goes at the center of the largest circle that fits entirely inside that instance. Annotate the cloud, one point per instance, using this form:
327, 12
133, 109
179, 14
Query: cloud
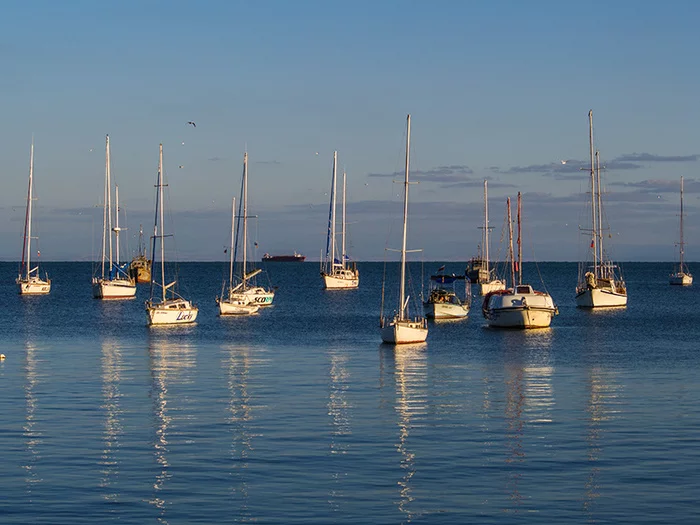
276, 162
568, 169
214, 159
649, 157
656, 186
447, 174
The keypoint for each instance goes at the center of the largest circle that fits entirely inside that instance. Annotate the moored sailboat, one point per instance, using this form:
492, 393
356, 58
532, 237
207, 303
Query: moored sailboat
443, 302
337, 274
168, 306
519, 306
489, 282
599, 281
401, 328
114, 282
29, 281
681, 276
140, 267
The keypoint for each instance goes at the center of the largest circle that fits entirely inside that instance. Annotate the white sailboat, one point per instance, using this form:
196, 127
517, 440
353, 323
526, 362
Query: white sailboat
247, 291
162, 309
337, 275
519, 306
114, 282
28, 280
599, 282
491, 283
681, 276
401, 328
229, 304
443, 301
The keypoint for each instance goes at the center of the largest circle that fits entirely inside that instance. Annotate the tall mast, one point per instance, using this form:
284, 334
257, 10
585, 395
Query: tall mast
245, 219
510, 244
485, 236
681, 244
599, 205
117, 229
342, 260
160, 205
520, 246
593, 197
108, 202
333, 206
230, 248
104, 208
402, 294
27, 248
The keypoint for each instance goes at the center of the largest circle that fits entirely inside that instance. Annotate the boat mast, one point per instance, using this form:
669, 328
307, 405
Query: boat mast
108, 202
245, 219
342, 260
520, 246
593, 197
230, 248
27, 246
402, 294
160, 205
486, 229
117, 229
681, 243
333, 206
104, 207
604, 270
510, 244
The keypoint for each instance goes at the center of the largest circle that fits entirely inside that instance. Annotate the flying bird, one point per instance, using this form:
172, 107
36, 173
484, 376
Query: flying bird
192, 123
564, 161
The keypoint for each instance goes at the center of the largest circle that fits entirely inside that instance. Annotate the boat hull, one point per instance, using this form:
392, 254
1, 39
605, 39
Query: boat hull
405, 331
140, 270
445, 310
171, 312
681, 279
520, 310
234, 307
255, 295
113, 289
341, 280
600, 298
34, 286
491, 286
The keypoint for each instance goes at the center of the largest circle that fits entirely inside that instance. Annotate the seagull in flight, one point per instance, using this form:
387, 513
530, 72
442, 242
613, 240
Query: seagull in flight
193, 124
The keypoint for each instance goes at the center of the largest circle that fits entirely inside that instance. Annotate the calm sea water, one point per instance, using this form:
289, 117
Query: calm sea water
300, 415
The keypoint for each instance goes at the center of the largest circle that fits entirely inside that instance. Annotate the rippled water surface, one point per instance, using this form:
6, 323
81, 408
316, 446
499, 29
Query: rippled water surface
300, 415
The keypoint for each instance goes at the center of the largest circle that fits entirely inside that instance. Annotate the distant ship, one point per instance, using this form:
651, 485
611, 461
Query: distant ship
297, 257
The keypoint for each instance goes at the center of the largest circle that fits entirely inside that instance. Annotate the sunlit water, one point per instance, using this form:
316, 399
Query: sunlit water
300, 415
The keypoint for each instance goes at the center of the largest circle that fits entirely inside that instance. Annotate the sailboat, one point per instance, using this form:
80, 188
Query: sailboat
140, 267
681, 276
28, 280
337, 274
519, 306
161, 308
443, 301
229, 304
490, 283
114, 282
401, 328
599, 282
247, 291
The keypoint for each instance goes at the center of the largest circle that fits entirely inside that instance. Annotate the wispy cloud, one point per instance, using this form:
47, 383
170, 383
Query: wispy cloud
446, 174
276, 162
650, 157
660, 186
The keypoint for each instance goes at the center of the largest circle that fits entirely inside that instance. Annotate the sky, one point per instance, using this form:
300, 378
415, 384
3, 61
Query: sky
496, 90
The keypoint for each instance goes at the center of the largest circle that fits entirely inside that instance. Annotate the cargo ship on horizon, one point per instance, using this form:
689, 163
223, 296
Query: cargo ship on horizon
297, 257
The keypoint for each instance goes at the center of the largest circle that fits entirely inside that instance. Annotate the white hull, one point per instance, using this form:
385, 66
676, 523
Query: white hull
234, 307
404, 331
255, 295
172, 311
681, 279
491, 286
341, 280
600, 298
34, 286
114, 289
520, 310
445, 310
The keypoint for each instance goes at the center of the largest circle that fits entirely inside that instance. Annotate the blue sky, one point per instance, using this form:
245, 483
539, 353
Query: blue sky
497, 90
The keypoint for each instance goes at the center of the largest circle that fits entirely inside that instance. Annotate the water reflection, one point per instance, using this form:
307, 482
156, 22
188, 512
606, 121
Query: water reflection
112, 369
32, 436
237, 362
602, 407
411, 378
170, 360
339, 411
